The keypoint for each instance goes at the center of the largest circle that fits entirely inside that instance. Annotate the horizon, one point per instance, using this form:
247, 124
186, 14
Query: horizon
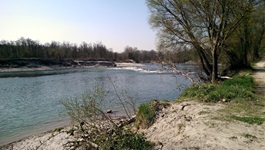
116, 24
77, 44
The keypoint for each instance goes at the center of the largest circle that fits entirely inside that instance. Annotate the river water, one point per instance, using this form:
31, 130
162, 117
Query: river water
30, 102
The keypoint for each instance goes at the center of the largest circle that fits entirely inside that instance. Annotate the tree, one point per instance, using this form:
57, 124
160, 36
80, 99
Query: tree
246, 43
205, 25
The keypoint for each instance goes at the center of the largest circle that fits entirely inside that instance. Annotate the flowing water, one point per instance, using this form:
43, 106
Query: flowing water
30, 102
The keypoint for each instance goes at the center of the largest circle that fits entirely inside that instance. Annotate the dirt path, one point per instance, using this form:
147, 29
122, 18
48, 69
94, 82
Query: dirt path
259, 76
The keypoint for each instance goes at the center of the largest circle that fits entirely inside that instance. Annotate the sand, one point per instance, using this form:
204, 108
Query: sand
52, 140
195, 128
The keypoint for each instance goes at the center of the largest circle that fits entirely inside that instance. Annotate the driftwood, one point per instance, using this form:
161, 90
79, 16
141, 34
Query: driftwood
183, 106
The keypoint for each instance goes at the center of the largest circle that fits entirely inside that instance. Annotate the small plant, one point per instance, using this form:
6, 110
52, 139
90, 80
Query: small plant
249, 136
249, 120
146, 113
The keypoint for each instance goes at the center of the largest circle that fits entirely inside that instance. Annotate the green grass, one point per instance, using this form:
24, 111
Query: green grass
146, 113
145, 116
246, 108
236, 89
238, 92
250, 120
127, 140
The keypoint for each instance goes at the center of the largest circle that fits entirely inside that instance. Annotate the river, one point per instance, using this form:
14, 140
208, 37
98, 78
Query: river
30, 102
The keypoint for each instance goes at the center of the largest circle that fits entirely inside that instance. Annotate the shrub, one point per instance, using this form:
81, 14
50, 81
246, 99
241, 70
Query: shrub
94, 129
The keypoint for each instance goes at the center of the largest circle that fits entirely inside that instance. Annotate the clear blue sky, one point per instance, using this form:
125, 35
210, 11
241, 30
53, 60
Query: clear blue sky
115, 23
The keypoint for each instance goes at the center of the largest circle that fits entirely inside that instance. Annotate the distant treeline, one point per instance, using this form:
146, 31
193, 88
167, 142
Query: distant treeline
28, 48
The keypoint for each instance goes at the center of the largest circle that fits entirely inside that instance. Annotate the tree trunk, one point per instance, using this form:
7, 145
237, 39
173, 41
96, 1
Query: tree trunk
215, 66
204, 61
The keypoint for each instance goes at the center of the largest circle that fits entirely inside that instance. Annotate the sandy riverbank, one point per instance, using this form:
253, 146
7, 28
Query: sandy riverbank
190, 128
194, 128
48, 137
50, 140
177, 127
45, 68
15, 65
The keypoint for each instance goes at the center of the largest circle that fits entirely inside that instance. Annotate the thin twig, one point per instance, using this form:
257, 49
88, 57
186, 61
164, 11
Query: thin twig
116, 92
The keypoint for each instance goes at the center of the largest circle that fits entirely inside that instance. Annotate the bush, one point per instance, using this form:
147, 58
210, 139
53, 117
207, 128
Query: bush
94, 129
236, 89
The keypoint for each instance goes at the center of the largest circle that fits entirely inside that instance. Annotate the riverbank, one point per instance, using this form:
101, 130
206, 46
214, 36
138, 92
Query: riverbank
190, 127
29, 65
45, 68
54, 139
207, 126
187, 125
32, 101
49, 140
18, 65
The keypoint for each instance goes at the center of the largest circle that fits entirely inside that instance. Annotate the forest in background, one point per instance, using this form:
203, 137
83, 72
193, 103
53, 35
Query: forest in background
26, 48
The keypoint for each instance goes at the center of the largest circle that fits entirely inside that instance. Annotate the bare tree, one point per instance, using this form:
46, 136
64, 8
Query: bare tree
205, 25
